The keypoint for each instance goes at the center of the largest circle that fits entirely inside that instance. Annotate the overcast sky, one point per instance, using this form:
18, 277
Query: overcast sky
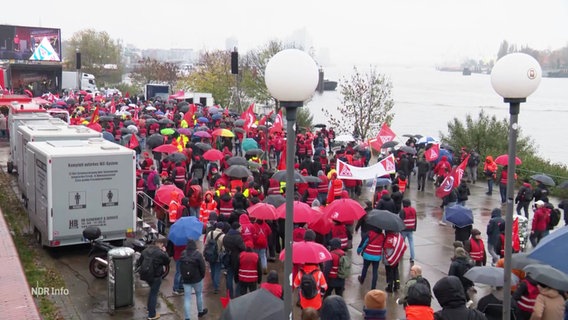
429, 32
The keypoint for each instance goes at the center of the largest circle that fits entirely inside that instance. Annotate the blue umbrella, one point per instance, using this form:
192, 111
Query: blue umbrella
426, 140
552, 250
444, 152
459, 215
249, 143
383, 182
186, 228
108, 136
203, 120
216, 116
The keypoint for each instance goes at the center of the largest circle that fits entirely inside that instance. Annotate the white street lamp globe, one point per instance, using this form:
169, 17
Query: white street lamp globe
291, 75
516, 75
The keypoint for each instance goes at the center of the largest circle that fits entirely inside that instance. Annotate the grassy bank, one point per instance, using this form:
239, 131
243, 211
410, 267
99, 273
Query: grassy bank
36, 272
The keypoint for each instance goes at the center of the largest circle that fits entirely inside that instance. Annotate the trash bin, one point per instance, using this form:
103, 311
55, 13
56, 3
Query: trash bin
120, 278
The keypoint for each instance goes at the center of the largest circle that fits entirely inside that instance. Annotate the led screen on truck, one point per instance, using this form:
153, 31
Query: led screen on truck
30, 43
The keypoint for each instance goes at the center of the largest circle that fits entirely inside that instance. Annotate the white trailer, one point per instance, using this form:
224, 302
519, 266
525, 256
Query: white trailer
73, 184
53, 129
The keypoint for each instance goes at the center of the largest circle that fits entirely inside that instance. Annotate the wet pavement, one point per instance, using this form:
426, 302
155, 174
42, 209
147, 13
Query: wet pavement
88, 296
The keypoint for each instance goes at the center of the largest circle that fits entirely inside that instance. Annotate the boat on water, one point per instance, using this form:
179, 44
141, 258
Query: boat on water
558, 74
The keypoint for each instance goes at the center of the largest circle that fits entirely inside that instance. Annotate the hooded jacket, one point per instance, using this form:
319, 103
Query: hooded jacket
493, 227
386, 203
549, 305
450, 294
192, 255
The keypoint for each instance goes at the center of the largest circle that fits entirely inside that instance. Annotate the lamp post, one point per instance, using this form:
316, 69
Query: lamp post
514, 77
291, 77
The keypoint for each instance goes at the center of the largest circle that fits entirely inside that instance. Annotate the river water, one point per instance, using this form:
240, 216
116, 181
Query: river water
427, 99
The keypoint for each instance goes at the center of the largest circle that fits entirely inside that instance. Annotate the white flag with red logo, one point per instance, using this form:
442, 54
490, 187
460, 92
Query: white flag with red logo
433, 153
278, 125
386, 134
379, 169
452, 180
249, 117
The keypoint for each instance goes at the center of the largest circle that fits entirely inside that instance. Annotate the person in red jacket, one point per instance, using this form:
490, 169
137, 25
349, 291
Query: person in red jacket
249, 269
261, 234
476, 248
539, 223
331, 268
272, 284
525, 296
442, 169
335, 188
408, 215
340, 231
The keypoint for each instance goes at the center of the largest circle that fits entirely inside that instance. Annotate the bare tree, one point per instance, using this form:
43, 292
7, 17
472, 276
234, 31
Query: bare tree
365, 103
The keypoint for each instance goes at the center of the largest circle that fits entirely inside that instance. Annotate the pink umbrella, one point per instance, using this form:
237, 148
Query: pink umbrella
263, 211
213, 155
167, 192
202, 134
166, 148
503, 160
322, 224
307, 252
344, 210
303, 213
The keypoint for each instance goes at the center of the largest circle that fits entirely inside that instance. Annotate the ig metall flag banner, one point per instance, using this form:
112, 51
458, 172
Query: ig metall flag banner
381, 168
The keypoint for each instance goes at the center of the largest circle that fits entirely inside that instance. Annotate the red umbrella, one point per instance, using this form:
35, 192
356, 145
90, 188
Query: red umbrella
263, 211
503, 160
303, 213
307, 252
213, 155
322, 224
344, 210
167, 148
166, 192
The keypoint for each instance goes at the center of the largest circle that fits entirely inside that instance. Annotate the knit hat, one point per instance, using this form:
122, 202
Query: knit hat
375, 299
539, 203
460, 252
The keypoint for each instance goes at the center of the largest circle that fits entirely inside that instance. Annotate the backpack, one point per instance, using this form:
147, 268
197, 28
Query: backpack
527, 195
211, 250
554, 218
344, 269
260, 240
146, 269
187, 267
308, 285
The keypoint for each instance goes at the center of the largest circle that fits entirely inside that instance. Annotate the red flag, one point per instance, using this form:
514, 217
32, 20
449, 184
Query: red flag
188, 116
135, 115
249, 117
278, 124
133, 143
433, 153
375, 144
386, 134
95, 116
452, 180
112, 107
265, 118
282, 162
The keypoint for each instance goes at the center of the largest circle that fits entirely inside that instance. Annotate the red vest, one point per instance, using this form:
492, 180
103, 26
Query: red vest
140, 185
526, 303
323, 185
312, 195
179, 175
225, 207
174, 211
248, 267
402, 185
340, 231
477, 250
375, 245
335, 256
409, 218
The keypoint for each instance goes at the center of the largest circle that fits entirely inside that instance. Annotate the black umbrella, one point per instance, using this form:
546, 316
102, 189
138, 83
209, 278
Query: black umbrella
239, 130
312, 179
548, 275
407, 149
183, 108
254, 152
385, 220
242, 161
521, 260
563, 185
544, 179
129, 122
320, 125
155, 140
203, 146
418, 136
202, 128
389, 144
151, 121
262, 127
239, 123
275, 199
165, 121
258, 305
281, 176
253, 165
175, 157
238, 171
108, 136
124, 130
106, 118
